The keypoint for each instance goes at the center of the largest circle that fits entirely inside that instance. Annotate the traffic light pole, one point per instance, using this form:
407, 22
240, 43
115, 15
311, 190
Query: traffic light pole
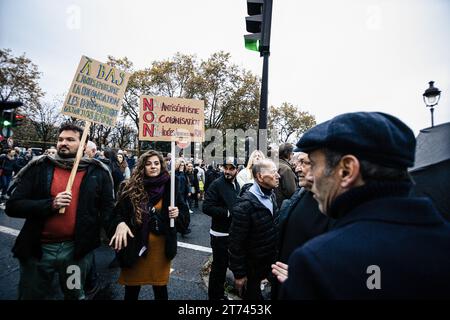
264, 92
265, 53
258, 23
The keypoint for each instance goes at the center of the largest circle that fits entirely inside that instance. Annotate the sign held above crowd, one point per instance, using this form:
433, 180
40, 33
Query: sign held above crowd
95, 95
175, 120
171, 119
96, 92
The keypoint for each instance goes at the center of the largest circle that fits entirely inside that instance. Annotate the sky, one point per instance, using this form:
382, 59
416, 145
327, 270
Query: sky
327, 56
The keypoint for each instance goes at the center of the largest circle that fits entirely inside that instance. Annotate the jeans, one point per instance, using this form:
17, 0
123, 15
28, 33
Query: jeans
36, 276
219, 266
4, 183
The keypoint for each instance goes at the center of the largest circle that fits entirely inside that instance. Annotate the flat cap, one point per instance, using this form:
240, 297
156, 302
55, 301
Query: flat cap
373, 136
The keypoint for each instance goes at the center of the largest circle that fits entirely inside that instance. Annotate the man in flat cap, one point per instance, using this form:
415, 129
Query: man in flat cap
384, 244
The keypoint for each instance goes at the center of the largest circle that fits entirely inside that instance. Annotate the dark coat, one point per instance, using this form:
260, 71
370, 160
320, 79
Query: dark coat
31, 200
210, 176
405, 237
8, 165
219, 199
300, 221
22, 161
288, 182
253, 236
124, 209
184, 217
193, 181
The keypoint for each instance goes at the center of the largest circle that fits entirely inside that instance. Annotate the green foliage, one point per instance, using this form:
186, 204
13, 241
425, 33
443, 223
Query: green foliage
19, 79
231, 94
289, 122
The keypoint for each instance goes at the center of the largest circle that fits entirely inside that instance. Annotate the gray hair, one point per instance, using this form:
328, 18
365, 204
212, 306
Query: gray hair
91, 145
259, 165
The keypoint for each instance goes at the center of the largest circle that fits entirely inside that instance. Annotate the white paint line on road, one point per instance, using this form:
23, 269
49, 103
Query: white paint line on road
195, 247
10, 231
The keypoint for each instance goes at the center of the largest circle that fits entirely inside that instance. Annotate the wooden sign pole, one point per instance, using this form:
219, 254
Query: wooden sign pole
77, 160
172, 180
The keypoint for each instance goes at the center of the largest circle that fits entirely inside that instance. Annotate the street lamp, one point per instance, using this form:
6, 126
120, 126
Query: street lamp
431, 98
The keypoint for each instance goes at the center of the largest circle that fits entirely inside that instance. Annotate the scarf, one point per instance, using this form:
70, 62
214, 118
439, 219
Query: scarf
63, 163
372, 190
154, 186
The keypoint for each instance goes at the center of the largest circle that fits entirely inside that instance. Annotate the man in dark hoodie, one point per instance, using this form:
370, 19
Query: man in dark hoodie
219, 201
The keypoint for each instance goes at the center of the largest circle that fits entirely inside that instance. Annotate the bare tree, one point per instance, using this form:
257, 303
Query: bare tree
46, 118
122, 136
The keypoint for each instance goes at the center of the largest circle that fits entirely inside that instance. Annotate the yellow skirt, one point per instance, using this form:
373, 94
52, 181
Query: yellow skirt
153, 269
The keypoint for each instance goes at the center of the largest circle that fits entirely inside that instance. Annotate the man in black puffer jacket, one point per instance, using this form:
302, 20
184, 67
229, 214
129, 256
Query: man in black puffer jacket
254, 231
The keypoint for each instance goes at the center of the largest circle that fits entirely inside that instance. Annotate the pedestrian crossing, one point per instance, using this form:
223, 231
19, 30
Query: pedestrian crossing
194, 247
9, 231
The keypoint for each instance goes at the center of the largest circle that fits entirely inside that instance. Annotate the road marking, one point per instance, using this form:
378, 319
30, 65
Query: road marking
195, 247
10, 231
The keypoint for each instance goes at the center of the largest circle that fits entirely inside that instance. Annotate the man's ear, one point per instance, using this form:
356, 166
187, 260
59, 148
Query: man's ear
349, 172
258, 177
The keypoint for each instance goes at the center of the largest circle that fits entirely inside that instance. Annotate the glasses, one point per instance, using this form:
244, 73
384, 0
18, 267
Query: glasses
304, 163
272, 172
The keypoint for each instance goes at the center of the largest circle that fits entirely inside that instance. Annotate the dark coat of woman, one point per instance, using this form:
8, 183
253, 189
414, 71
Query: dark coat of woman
124, 209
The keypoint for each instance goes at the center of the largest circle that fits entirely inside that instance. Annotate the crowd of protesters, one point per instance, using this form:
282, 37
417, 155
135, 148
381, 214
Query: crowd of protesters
312, 224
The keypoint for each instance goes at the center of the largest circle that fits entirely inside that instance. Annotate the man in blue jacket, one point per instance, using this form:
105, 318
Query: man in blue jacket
385, 244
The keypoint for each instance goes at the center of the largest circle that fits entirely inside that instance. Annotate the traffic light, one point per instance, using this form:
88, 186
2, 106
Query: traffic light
7, 118
4, 105
18, 119
258, 23
253, 24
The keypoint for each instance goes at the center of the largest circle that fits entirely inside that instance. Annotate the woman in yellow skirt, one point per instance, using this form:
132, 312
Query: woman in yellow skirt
144, 241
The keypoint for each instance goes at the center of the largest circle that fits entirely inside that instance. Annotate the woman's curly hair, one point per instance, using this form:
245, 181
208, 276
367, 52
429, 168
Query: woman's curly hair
134, 187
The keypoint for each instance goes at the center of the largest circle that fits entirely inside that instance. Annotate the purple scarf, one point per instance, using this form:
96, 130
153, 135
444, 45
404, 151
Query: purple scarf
155, 187
155, 190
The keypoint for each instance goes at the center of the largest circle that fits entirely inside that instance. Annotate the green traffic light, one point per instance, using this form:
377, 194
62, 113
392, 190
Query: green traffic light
6, 123
252, 44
